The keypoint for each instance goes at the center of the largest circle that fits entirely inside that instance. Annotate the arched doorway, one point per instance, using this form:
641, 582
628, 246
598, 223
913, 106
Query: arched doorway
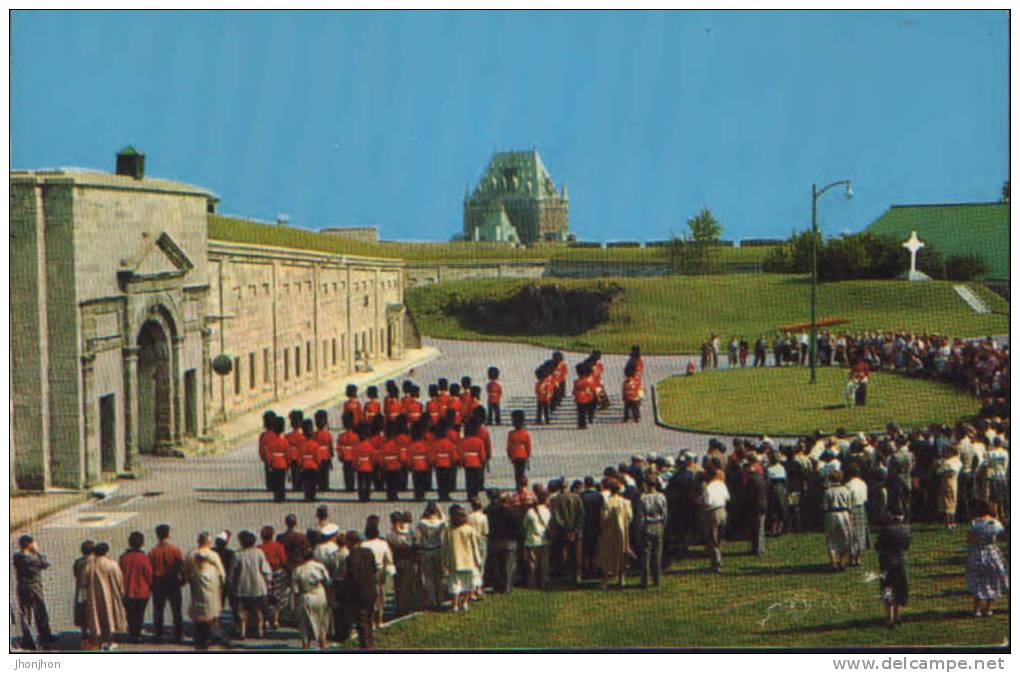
154, 390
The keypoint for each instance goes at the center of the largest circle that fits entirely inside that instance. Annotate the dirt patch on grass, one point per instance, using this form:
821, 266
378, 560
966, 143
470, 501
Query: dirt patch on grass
545, 309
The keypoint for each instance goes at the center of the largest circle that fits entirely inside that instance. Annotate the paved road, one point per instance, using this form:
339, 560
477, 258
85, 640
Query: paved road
223, 492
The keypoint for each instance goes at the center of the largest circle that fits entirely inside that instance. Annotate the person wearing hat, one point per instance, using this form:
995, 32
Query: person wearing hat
29, 563
267, 437
631, 393
249, 580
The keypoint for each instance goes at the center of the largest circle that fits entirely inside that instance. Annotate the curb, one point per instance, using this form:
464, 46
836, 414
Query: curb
47, 511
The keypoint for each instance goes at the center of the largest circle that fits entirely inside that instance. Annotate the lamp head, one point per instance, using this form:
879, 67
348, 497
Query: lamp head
849, 190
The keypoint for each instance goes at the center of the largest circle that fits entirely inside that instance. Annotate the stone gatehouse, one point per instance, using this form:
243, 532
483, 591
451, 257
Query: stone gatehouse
120, 303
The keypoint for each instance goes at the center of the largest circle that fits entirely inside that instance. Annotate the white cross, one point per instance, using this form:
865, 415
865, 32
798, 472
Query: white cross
913, 244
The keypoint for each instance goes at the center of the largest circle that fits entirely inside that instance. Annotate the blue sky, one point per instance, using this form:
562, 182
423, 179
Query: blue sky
384, 118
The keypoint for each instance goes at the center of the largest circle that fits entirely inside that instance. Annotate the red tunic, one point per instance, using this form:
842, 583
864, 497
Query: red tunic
561, 372
265, 439
372, 409
389, 456
278, 454
486, 437
393, 408
345, 443
631, 388
495, 392
419, 455
309, 455
295, 438
325, 441
583, 392
364, 456
472, 451
518, 444
432, 407
413, 409
354, 406
443, 453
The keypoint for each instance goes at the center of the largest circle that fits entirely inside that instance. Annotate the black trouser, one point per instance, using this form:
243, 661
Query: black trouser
364, 486
360, 616
32, 606
422, 482
631, 409
393, 479
520, 469
341, 627
269, 476
310, 483
582, 415
278, 484
651, 553
378, 479
135, 608
166, 588
446, 481
861, 397
295, 477
474, 480
541, 411
405, 476
493, 416
759, 359
207, 631
325, 467
349, 476
504, 566
591, 411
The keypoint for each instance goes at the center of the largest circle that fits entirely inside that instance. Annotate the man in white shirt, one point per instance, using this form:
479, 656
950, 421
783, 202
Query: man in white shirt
714, 497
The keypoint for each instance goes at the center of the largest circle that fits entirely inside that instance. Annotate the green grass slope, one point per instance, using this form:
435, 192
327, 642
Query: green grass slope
968, 228
786, 599
733, 402
675, 314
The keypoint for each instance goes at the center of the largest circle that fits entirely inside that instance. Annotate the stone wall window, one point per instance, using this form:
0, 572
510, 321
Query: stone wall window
297, 361
308, 356
286, 364
334, 351
265, 289
251, 370
265, 365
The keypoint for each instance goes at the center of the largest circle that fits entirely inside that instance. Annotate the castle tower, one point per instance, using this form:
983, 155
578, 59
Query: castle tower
518, 184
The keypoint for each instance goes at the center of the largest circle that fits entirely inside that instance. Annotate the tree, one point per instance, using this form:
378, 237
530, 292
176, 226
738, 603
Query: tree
704, 227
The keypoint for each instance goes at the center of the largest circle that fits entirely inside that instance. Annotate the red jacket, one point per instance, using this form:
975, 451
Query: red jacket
495, 391
372, 409
354, 406
364, 456
418, 456
486, 437
137, 570
472, 451
443, 453
544, 389
295, 438
631, 389
561, 372
265, 439
345, 443
325, 440
393, 408
279, 454
275, 553
518, 444
389, 456
432, 407
308, 455
583, 390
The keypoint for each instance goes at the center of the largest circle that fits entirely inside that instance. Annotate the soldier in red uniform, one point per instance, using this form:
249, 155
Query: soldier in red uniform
364, 462
543, 393
443, 457
295, 437
485, 435
277, 459
494, 393
377, 438
403, 439
474, 401
418, 455
639, 363
631, 393
391, 465
265, 439
391, 405
352, 404
584, 394
518, 446
325, 440
372, 407
473, 457
345, 443
308, 461
413, 408
454, 404
465, 394
432, 406
443, 396
560, 377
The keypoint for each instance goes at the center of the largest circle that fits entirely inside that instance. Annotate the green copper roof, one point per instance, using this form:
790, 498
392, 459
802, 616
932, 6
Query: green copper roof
955, 229
516, 173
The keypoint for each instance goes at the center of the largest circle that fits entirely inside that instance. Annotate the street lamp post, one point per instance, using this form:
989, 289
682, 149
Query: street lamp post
815, 193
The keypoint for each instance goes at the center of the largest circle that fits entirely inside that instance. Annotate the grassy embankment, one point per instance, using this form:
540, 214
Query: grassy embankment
675, 314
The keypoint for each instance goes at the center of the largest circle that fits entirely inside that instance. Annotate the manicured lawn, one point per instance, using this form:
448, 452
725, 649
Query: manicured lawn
675, 314
787, 599
780, 401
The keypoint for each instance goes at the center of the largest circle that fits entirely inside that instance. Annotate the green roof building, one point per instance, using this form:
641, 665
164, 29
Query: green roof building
980, 229
518, 184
